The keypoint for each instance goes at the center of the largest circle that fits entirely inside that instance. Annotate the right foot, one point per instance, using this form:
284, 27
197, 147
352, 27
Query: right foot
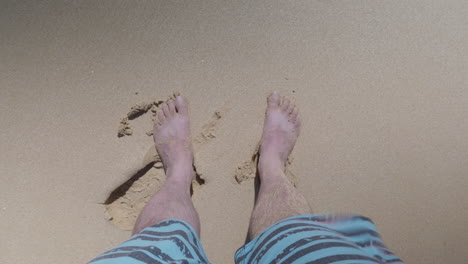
172, 137
280, 131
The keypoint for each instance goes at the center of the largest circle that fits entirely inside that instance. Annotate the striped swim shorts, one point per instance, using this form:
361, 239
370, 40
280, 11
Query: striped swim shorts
319, 239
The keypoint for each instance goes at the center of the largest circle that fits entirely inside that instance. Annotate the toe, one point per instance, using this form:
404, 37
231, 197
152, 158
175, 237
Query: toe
294, 114
166, 111
297, 125
156, 125
181, 105
295, 119
161, 117
171, 105
274, 99
285, 104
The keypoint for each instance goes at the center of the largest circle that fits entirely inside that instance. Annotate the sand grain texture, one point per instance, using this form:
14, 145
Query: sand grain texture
381, 86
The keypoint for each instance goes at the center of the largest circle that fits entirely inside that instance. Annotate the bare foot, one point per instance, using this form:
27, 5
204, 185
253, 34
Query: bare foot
280, 131
172, 138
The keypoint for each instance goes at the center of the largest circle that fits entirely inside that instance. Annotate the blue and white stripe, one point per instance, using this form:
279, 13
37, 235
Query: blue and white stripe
318, 239
169, 241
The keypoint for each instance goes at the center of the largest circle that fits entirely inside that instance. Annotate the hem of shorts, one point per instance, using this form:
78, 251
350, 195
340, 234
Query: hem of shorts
238, 251
174, 219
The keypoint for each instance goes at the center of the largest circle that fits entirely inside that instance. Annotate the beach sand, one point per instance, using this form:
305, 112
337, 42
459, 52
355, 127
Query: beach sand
382, 89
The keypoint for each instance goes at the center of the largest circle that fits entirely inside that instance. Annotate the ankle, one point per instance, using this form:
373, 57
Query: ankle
179, 163
180, 173
270, 164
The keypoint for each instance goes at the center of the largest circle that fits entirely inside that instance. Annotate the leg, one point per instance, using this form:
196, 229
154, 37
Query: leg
172, 139
165, 240
277, 197
308, 238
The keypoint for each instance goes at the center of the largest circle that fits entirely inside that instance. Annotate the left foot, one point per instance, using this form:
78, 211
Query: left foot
172, 138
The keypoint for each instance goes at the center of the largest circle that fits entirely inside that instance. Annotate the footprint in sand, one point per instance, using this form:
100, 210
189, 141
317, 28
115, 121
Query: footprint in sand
126, 202
136, 111
208, 130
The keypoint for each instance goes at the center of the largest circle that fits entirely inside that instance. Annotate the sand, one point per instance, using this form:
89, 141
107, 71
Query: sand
382, 88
